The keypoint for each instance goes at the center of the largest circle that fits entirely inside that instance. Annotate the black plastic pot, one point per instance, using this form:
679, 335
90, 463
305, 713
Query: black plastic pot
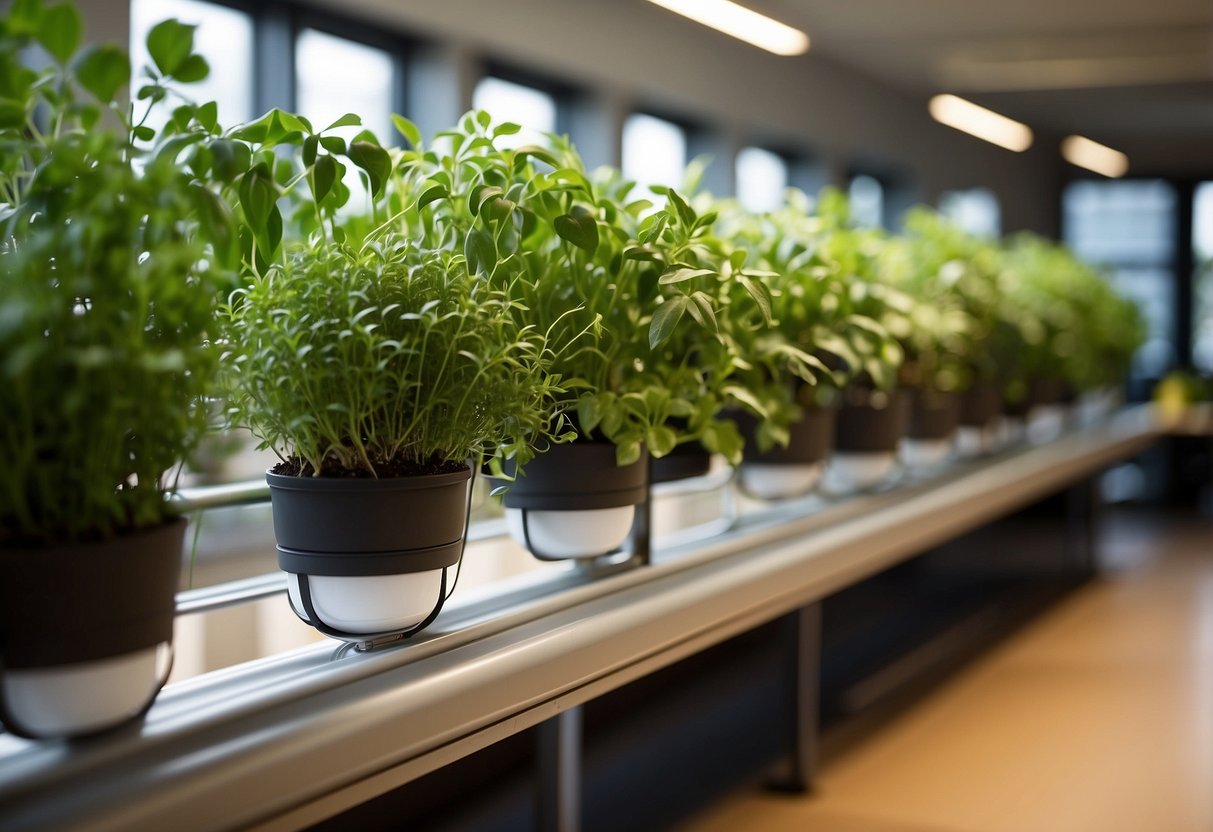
334, 527
933, 415
63, 605
810, 439
980, 405
875, 426
578, 476
690, 459
1040, 392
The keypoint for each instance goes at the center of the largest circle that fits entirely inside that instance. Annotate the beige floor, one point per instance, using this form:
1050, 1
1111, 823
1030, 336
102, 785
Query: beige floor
1098, 717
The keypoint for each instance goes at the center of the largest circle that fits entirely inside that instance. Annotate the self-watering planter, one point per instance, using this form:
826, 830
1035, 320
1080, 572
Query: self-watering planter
931, 433
369, 558
690, 459
573, 501
794, 471
1047, 418
866, 439
980, 412
86, 631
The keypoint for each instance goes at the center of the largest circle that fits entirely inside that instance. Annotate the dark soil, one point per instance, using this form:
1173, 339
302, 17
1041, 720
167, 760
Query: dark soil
388, 469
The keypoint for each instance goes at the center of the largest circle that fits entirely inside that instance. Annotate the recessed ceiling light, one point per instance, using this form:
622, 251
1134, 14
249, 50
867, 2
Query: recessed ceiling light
742, 23
1092, 155
980, 122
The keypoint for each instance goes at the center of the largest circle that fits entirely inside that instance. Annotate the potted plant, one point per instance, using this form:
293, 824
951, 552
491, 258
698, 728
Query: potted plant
107, 289
872, 410
606, 283
948, 369
380, 372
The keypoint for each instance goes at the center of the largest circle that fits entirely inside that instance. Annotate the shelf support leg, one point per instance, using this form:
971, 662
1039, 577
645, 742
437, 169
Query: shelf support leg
802, 630
558, 797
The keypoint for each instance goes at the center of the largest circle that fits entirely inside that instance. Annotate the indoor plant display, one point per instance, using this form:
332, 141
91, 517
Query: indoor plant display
107, 288
607, 285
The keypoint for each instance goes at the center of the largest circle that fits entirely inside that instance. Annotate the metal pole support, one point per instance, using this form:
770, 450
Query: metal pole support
558, 792
802, 639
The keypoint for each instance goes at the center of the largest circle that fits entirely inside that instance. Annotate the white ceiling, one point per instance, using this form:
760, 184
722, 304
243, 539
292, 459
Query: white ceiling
1131, 73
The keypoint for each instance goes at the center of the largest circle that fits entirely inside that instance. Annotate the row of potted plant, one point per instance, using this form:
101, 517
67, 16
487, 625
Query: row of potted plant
475, 308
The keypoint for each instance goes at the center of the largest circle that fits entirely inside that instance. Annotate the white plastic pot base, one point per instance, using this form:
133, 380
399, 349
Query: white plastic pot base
972, 442
370, 604
765, 481
1012, 433
1046, 423
84, 697
557, 535
925, 454
859, 471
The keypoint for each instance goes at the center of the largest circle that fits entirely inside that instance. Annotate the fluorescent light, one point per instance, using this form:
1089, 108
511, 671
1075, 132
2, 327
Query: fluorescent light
1100, 158
980, 122
742, 23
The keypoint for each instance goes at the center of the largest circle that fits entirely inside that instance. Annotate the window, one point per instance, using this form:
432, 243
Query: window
654, 153
335, 76
1202, 280
224, 37
1129, 227
533, 109
867, 201
975, 210
762, 177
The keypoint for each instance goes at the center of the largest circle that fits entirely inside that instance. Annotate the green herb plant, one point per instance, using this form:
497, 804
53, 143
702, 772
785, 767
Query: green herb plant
108, 279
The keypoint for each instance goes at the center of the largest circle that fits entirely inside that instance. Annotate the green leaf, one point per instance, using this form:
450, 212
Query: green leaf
758, 291
580, 229
661, 440
407, 129
333, 144
431, 194
143, 133
679, 275
480, 251
627, 452
589, 413
169, 43
103, 70
507, 128
61, 31
665, 319
324, 174
685, 213
232, 159
24, 17
310, 145
347, 120
481, 195
742, 395
701, 310
258, 193
194, 68
208, 115
374, 160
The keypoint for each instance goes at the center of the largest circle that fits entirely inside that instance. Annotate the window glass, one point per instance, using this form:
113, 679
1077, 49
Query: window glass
335, 76
1128, 227
654, 153
975, 210
1118, 222
867, 201
224, 37
1202, 288
762, 177
533, 109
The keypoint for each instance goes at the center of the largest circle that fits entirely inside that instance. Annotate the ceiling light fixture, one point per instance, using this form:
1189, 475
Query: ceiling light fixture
1091, 155
980, 122
742, 23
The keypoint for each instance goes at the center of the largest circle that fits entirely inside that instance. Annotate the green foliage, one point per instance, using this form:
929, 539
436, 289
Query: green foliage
612, 282
107, 287
359, 361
